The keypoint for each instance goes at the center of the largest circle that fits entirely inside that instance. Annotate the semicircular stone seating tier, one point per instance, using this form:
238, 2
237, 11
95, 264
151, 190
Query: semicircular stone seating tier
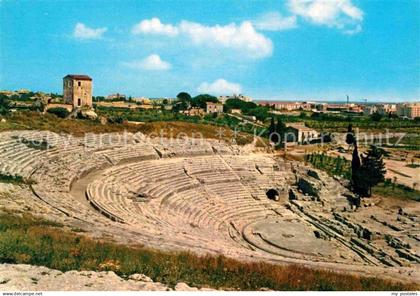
192, 193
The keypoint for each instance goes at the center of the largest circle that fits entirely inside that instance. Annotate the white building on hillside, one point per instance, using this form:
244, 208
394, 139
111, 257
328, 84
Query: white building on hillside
214, 107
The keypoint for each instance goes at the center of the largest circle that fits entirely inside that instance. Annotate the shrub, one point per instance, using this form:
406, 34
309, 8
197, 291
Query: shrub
14, 179
59, 111
116, 119
4, 105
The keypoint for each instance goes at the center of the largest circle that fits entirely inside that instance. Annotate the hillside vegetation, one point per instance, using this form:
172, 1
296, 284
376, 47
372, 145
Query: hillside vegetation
78, 127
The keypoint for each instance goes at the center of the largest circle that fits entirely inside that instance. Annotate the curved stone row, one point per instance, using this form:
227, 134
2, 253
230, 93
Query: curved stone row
204, 195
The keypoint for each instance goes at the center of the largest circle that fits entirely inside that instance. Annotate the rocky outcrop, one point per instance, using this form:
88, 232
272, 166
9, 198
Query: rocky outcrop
313, 174
292, 194
308, 186
19, 277
89, 114
395, 242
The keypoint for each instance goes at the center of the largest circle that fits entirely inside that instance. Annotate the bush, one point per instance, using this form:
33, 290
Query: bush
376, 116
14, 179
4, 105
116, 119
59, 112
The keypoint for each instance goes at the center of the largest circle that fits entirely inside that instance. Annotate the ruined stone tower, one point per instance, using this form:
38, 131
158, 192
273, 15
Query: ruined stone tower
77, 90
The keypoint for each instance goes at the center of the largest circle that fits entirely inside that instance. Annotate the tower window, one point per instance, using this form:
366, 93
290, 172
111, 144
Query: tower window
79, 83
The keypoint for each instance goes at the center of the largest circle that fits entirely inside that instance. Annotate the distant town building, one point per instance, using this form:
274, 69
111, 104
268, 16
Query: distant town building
337, 107
236, 111
194, 111
409, 110
300, 134
142, 100
385, 109
369, 110
353, 108
243, 98
322, 107
288, 106
116, 96
164, 101
77, 90
223, 99
214, 107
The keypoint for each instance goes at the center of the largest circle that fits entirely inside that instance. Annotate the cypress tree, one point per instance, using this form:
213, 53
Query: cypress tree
350, 139
272, 127
281, 129
358, 183
272, 133
373, 167
355, 161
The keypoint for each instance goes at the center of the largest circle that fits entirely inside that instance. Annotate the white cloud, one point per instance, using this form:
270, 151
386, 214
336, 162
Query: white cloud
274, 21
151, 63
243, 37
154, 26
219, 87
81, 31
333, 13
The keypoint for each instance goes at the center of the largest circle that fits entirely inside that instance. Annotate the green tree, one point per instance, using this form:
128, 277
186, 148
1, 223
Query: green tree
350, 138
184, 96
59, 111
260, 112
373, 167
358, 183
4, 105
183, 102
376, 116
245, 107
281, 129
272, 132
201, 100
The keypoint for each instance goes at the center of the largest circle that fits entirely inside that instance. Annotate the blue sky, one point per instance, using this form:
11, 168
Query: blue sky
291, 49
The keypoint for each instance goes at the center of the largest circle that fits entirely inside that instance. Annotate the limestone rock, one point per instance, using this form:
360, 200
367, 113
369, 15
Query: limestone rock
184, 287
28, 277
103, 120
35, 278
89, 114
140, 278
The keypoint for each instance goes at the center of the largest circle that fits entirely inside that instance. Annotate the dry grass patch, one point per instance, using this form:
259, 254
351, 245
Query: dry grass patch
78, 127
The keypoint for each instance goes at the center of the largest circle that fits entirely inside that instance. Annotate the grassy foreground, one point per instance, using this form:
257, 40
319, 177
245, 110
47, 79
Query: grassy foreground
25, 239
